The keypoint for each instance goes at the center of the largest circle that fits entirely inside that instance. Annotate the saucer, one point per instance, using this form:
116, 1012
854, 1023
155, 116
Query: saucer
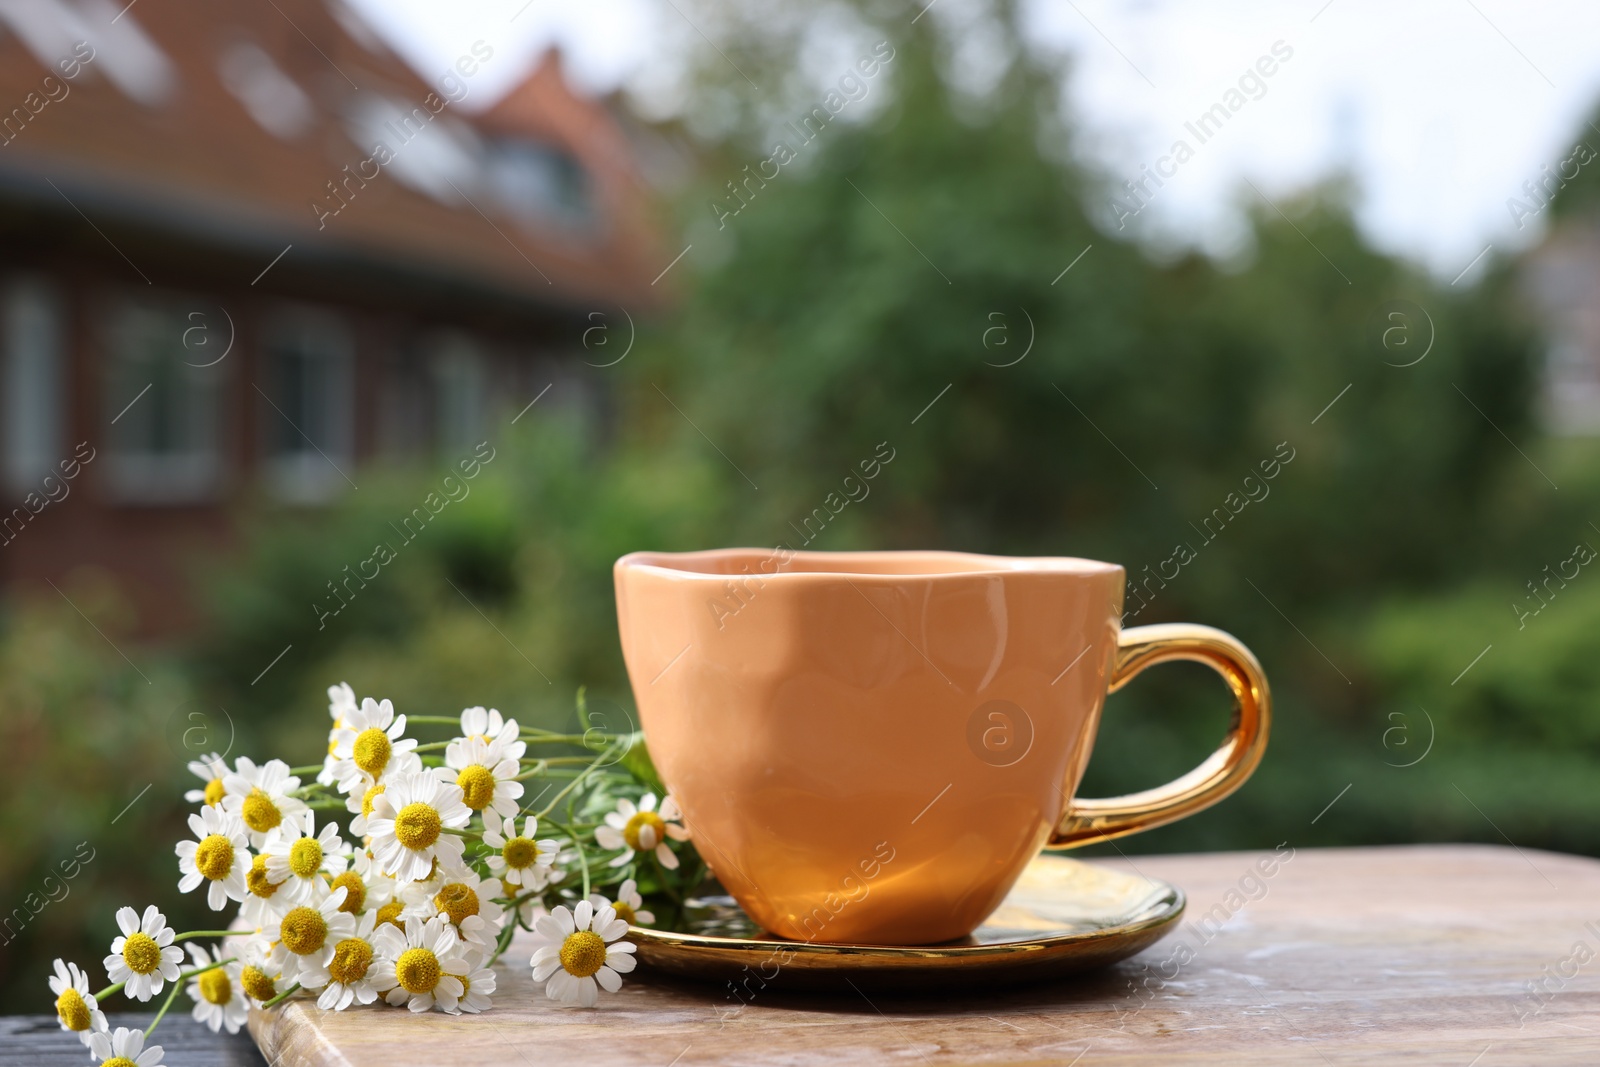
1063, 916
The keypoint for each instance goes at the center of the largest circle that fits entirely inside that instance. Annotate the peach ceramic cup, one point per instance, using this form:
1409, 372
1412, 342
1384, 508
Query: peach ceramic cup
869, 747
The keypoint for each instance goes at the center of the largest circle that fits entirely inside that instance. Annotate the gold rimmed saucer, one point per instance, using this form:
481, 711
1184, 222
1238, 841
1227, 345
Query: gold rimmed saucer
1063, 916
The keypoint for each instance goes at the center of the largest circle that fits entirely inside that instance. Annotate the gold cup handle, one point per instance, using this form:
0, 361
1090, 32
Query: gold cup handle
1086, 821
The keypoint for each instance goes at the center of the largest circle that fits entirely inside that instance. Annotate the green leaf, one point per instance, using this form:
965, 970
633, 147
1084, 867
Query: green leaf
638, 763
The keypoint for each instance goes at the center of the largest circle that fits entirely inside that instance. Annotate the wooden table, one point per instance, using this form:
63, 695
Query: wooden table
1418, 955
39, 1041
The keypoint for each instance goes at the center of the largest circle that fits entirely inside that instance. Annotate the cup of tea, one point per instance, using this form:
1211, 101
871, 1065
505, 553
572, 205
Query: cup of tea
869, 747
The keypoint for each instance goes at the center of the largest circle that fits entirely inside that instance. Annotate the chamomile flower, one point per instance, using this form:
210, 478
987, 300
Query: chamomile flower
346, 977
218, 855
341, 705
421, 966
579, 951
210, 769
260, 796
218, 999
258, 975
369, 739
125, 1048
487, 725
461, 897
144, 957
365, 889
521, 862
297, 859
408, 822
303, 939
642, 829
261, 900
359, 803
629, 905
478, 983
485, 774
76, 1007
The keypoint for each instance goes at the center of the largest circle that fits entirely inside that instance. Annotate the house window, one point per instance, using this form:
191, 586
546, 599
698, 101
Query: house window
461, 386
32, 370
308, 411
162, 410
405, 405
541, 185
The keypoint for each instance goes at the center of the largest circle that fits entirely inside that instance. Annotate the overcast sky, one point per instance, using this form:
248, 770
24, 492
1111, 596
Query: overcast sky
1439, 109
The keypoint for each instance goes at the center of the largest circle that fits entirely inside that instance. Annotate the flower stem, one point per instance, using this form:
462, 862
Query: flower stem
535, 771
570, 786
504, 940
184, 976
315, 768
165, 1005
108, 990
666, 879
583, 855
212, 933
281, 997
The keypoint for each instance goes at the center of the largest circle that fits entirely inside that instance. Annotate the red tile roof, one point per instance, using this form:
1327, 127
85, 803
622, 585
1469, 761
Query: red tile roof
247, 127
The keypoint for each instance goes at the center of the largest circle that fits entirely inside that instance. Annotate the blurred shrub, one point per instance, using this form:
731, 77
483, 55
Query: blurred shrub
93, 748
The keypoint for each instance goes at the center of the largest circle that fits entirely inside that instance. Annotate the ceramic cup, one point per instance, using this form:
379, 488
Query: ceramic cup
869, 747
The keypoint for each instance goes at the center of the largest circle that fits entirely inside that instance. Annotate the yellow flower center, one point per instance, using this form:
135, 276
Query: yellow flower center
355, 891
624, 911
417, 970
390, 913
417, 826
305, 857
457, 900
583, 953
372, 750
141, 953
639, 820
260, 813
214, 792
213, 857
351, 958
257, 984
366, 800
303, 931
119, 1061
215, 987
520, 852
477, 786
73, 1011
256, 878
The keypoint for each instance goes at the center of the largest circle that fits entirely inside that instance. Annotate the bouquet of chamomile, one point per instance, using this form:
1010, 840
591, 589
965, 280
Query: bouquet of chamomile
398, 871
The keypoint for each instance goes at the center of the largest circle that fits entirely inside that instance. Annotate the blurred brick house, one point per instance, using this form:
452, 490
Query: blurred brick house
1561, 278
247, 250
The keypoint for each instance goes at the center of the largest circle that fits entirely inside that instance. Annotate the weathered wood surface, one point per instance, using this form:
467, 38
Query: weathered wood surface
39, 1041
1420, 955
